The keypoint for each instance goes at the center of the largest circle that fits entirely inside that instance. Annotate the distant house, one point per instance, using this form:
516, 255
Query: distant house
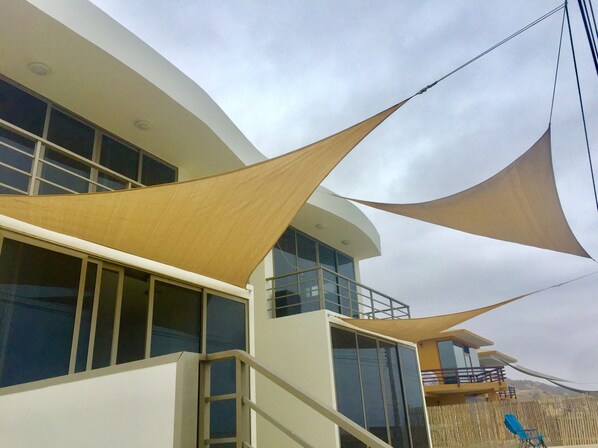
454, 372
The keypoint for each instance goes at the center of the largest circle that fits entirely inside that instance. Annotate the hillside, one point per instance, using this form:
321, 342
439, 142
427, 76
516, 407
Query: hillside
528, 390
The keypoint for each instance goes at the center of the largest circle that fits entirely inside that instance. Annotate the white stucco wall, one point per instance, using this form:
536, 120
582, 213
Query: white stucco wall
298, 349
133, 408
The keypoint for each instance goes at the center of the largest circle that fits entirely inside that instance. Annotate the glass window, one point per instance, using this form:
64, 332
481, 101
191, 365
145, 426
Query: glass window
414, 397
61, 174
10, 144
448, 363
308, 281
176, 320
395, 405
71, 134
102, 346
347, 383
86, 317
21, 109
154, 172
38, 299
374, 388
286, 289
225, 331
120, 158
369, 364
294, 252
133, 316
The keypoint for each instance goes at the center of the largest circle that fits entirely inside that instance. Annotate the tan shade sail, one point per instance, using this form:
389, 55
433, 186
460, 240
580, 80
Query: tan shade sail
420, 329
519, 204
575, 389
221, 226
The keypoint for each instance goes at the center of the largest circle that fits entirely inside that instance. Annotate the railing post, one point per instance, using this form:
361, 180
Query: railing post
321, 288
203, 430
242, 411
34, 167
372, 304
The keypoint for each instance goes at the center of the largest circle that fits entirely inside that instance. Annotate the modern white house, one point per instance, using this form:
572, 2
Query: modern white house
101, 347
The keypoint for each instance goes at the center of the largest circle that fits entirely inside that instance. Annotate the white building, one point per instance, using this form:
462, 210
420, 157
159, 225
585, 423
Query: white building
104, 348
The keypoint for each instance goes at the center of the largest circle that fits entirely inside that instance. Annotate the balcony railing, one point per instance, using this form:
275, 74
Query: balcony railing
35, 161
465, 375
320, 288
507, 394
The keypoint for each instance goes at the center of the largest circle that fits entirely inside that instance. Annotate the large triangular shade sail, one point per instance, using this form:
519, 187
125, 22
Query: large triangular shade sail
519, 204
420, 329
221, 226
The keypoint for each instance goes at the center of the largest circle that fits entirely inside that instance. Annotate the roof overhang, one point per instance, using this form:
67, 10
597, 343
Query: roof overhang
491, 358
467, 337
101, 71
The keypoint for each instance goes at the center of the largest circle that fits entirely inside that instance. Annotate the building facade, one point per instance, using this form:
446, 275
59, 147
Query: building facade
111, 349
453, 372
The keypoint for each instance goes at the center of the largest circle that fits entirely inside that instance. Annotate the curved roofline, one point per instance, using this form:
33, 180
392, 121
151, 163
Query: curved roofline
93, 24
118, 77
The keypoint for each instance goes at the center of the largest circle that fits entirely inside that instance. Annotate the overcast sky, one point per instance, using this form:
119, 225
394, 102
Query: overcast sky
291, 72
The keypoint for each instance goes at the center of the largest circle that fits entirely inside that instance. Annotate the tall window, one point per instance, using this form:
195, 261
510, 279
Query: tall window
378, 386
126, 315
296, 288
73, 170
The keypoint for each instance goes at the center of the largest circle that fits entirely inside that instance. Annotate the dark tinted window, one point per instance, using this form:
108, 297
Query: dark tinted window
120, 158
133, 316
372, 387
21, 109
154, 172
414, 397
71, 134
176, 320
38, 290
225, 331
86, 316
102, 348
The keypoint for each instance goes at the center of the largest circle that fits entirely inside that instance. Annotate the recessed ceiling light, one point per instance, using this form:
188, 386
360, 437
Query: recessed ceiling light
143, 125
39, 69
320, 226
345, 242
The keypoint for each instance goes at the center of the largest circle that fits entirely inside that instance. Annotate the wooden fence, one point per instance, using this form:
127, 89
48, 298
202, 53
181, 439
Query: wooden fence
566, 420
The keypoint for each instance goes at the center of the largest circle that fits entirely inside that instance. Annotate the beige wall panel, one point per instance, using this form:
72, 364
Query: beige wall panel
133, 408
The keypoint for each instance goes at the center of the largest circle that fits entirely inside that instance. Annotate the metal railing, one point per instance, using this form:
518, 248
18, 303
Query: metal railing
321, 288
463, 375
507, 394
244, 404
38, 162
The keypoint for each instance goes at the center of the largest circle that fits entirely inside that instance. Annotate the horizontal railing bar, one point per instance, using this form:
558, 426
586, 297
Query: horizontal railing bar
275, 423
68, 153
326, 411
14, 148
49, 182
65, 170
340, 276
10, 187
221, 441
18, 170
221, 397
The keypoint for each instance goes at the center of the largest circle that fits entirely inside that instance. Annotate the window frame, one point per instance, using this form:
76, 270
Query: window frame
96, 150
86, 260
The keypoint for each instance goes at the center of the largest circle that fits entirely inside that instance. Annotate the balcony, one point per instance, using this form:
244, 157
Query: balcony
507, 394
466, 375
320, 288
